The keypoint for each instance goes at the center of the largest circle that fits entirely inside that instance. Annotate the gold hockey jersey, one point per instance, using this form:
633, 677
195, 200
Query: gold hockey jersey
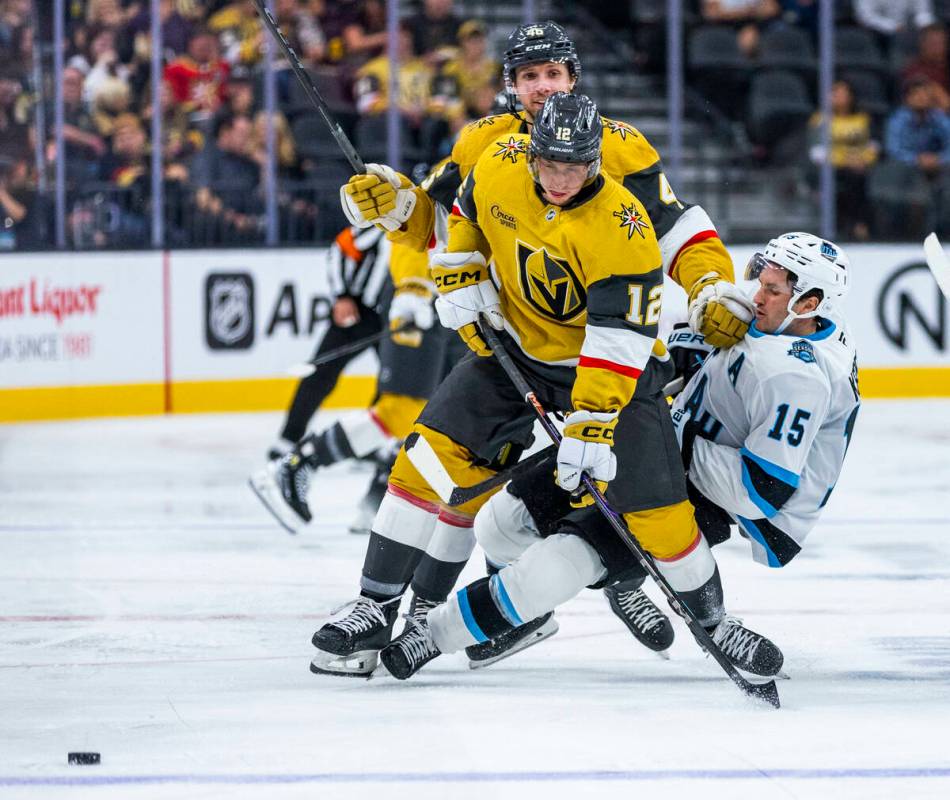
689, 243
580, 285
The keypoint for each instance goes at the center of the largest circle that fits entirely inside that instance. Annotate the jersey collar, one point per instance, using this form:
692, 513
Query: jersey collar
825, 328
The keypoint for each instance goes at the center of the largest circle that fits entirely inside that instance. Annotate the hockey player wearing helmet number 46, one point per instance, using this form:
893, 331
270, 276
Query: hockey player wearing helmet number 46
579, 294
540, 60
763, 427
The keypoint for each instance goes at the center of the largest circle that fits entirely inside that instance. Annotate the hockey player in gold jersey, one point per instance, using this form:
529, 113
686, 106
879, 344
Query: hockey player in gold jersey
580, 277
540, 60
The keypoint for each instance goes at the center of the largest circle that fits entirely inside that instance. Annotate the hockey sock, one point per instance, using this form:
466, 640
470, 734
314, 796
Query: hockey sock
401, 532
445, 557
327, 447
694, 575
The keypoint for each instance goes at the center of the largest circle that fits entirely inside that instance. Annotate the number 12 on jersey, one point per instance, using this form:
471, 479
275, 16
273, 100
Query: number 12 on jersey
638, 314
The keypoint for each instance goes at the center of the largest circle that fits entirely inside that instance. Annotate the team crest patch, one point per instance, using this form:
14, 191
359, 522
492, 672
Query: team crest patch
620, 128
803, 350
510, 150
550, 284
631, 219
829, 251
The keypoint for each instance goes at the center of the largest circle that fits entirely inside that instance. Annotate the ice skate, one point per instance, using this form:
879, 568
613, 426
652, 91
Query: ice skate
413, 648
747, 650
649, 626
507, 644
282, 487
350, 646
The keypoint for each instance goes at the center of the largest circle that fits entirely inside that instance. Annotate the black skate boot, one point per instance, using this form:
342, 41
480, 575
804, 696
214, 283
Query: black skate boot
747, 650
649, 626
279, 449
412, 649
513, 641
351, 645
282, 487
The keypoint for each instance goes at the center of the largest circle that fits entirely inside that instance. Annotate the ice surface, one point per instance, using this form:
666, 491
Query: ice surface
153, 612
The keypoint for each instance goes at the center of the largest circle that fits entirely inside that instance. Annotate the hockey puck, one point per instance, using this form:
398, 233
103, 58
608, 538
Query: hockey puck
82, 758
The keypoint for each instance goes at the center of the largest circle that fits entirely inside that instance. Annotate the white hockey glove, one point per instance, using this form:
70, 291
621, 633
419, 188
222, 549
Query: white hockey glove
587, 446
412, 304
719, 310
465, 292
380, 196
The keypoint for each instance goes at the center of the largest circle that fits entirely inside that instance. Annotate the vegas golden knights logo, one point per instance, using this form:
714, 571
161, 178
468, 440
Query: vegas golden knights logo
550, 284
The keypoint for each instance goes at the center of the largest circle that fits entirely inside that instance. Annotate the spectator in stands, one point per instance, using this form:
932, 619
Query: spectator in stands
918, 134
84, 146
460, 83
748, 16
199, 79
180, 141
21, 217
932, 62
128, 171
310, 33
414, 78
435, 27
100, 62
802, 14
240, 33
176, 29
107, 14
288, 165
364, 34
227, 178
112, 99
14, 115
852, 154
888, 17
241, 99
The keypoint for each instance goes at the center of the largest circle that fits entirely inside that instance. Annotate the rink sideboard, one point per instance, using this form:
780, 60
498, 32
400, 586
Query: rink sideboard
105, 334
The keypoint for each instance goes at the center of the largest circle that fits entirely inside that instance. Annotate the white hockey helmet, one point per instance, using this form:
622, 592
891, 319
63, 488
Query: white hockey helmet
815, 263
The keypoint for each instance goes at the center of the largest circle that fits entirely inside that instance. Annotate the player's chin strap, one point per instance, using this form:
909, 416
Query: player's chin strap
761, 691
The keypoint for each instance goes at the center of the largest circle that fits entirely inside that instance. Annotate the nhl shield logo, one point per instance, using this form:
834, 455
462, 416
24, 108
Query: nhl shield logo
550, 284
229, 311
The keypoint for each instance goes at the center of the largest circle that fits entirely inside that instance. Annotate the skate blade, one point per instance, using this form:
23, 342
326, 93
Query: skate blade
267, 492
662, 654
546, 631
360, 664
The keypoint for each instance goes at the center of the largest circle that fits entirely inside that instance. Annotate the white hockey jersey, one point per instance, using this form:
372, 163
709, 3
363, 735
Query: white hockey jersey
773, 419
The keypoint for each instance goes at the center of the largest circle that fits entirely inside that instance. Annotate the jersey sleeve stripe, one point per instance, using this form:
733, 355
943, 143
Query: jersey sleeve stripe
457, 210
692, 223
763, 505
600, 363
784, 475
699, 237
779, 547
620, 346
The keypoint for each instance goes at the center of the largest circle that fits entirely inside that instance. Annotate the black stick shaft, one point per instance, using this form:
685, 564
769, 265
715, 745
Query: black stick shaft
764, 691
356, 162
354, 347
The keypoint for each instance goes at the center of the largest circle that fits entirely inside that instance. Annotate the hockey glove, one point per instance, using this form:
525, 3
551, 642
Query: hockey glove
380, 196
719, 311
688, 350
412, 304
587, 446
465, 291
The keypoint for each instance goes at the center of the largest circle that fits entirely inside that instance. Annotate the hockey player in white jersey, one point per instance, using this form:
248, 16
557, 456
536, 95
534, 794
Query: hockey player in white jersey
763, 427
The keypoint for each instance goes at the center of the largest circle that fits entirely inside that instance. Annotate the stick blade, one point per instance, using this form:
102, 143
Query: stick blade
938, 262
764, 692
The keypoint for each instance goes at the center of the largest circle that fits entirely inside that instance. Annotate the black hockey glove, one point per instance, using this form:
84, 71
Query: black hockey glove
688, 350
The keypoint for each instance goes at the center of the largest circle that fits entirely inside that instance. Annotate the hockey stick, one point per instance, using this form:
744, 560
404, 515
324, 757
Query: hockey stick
305, 369
938, 262
424, 459
311, 91
761, 691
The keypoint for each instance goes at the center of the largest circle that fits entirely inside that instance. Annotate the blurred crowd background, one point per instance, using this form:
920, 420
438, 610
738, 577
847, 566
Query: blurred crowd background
751, 149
